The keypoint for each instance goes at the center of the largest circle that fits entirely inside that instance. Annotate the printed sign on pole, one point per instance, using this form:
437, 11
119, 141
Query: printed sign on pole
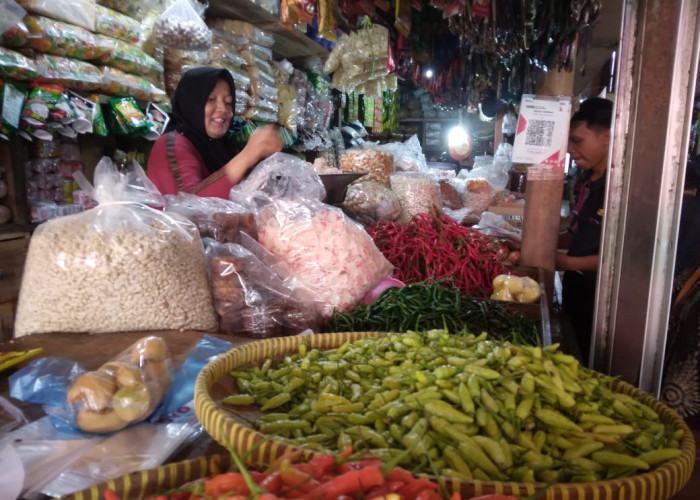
543, 131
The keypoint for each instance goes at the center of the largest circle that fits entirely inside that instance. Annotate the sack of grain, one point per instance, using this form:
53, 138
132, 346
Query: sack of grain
121, 266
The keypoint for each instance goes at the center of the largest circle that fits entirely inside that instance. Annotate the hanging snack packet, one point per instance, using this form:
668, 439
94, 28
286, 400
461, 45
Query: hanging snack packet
12, 102
99, 124
158, 120
132, 121
126, 57
180, 27
84, 110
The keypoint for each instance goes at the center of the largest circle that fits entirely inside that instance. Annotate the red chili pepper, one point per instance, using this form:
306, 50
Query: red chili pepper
350, 482
111, 495
428, 495
229, 482
412, 489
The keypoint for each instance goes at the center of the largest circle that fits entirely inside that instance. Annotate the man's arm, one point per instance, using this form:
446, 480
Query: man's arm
569, 263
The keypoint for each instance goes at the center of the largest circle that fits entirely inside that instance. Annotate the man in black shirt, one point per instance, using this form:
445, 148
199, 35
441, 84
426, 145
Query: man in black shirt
589, 142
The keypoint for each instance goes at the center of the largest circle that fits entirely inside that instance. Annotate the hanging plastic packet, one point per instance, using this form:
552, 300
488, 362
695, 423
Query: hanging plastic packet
327, 21
83, 109
132, 121
99, 124
158, 121
16, 36
12, 102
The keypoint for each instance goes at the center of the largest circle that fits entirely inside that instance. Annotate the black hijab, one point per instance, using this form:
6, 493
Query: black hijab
187, 116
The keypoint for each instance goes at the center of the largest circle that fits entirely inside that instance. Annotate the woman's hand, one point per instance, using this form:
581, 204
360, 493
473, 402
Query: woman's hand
264, 141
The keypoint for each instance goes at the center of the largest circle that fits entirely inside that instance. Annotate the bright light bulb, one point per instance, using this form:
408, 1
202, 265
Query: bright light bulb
428, 73
457, 136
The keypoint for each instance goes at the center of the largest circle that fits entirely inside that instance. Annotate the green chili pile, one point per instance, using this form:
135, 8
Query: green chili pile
424, 306
459, 406
433, 246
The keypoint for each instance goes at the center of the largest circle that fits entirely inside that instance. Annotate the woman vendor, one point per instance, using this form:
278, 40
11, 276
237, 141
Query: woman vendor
194, 155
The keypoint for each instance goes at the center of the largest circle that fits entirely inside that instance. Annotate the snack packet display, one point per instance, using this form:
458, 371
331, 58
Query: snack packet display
59, 38
120, 84
78, 12
82, 273
109, 22
16, 66
158, 120
135, 9
77, 75
12, 102
133, 121
15, 36
181, 27
121, 55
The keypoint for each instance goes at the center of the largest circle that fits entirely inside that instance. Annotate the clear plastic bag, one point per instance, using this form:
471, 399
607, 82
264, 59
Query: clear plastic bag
16, 66
288, 111
373, 200
180, 27
243, 29
216, 218
124, 391
121, 266
417, 192
11, 14
58, 38
408, 155
120, 84
376, 163
128, 58
326, 252
280, 175
252, 298
496, 225
78, 12
77, 75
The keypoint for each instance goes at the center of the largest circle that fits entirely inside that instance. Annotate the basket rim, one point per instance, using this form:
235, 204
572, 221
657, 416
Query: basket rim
680, 467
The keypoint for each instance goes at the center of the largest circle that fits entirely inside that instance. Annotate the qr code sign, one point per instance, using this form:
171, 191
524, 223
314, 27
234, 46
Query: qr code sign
539, 133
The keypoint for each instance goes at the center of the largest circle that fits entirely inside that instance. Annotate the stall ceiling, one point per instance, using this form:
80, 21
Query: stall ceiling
605, 39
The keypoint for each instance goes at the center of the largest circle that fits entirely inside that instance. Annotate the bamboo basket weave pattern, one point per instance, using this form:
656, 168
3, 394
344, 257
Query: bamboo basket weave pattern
227, 428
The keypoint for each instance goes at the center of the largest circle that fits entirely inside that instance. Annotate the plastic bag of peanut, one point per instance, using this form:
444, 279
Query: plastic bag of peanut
376, 164
121, 266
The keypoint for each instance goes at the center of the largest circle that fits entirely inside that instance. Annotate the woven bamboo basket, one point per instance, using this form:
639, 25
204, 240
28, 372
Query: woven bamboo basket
231, 428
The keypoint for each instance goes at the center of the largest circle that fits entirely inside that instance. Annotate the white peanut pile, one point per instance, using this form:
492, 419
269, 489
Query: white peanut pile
143, 275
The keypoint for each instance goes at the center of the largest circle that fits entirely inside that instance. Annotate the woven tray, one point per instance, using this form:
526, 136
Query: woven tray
227, 427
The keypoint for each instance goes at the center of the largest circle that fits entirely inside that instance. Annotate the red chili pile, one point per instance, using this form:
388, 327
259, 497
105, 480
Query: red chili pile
322, 478
433, 246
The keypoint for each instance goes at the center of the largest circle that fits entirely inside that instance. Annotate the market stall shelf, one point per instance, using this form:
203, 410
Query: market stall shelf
232, 428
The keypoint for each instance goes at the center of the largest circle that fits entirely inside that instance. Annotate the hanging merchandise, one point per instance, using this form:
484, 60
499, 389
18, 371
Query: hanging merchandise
360, 60
327, 21
12, 101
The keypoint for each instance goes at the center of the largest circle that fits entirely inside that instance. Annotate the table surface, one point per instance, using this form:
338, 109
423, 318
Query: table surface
92, 350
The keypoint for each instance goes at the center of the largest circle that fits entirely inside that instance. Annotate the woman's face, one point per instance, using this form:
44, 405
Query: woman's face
218, 111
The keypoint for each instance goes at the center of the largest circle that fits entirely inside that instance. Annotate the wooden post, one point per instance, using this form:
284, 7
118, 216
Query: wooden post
543, 197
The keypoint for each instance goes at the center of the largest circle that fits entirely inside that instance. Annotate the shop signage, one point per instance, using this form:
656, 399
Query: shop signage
543, 131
